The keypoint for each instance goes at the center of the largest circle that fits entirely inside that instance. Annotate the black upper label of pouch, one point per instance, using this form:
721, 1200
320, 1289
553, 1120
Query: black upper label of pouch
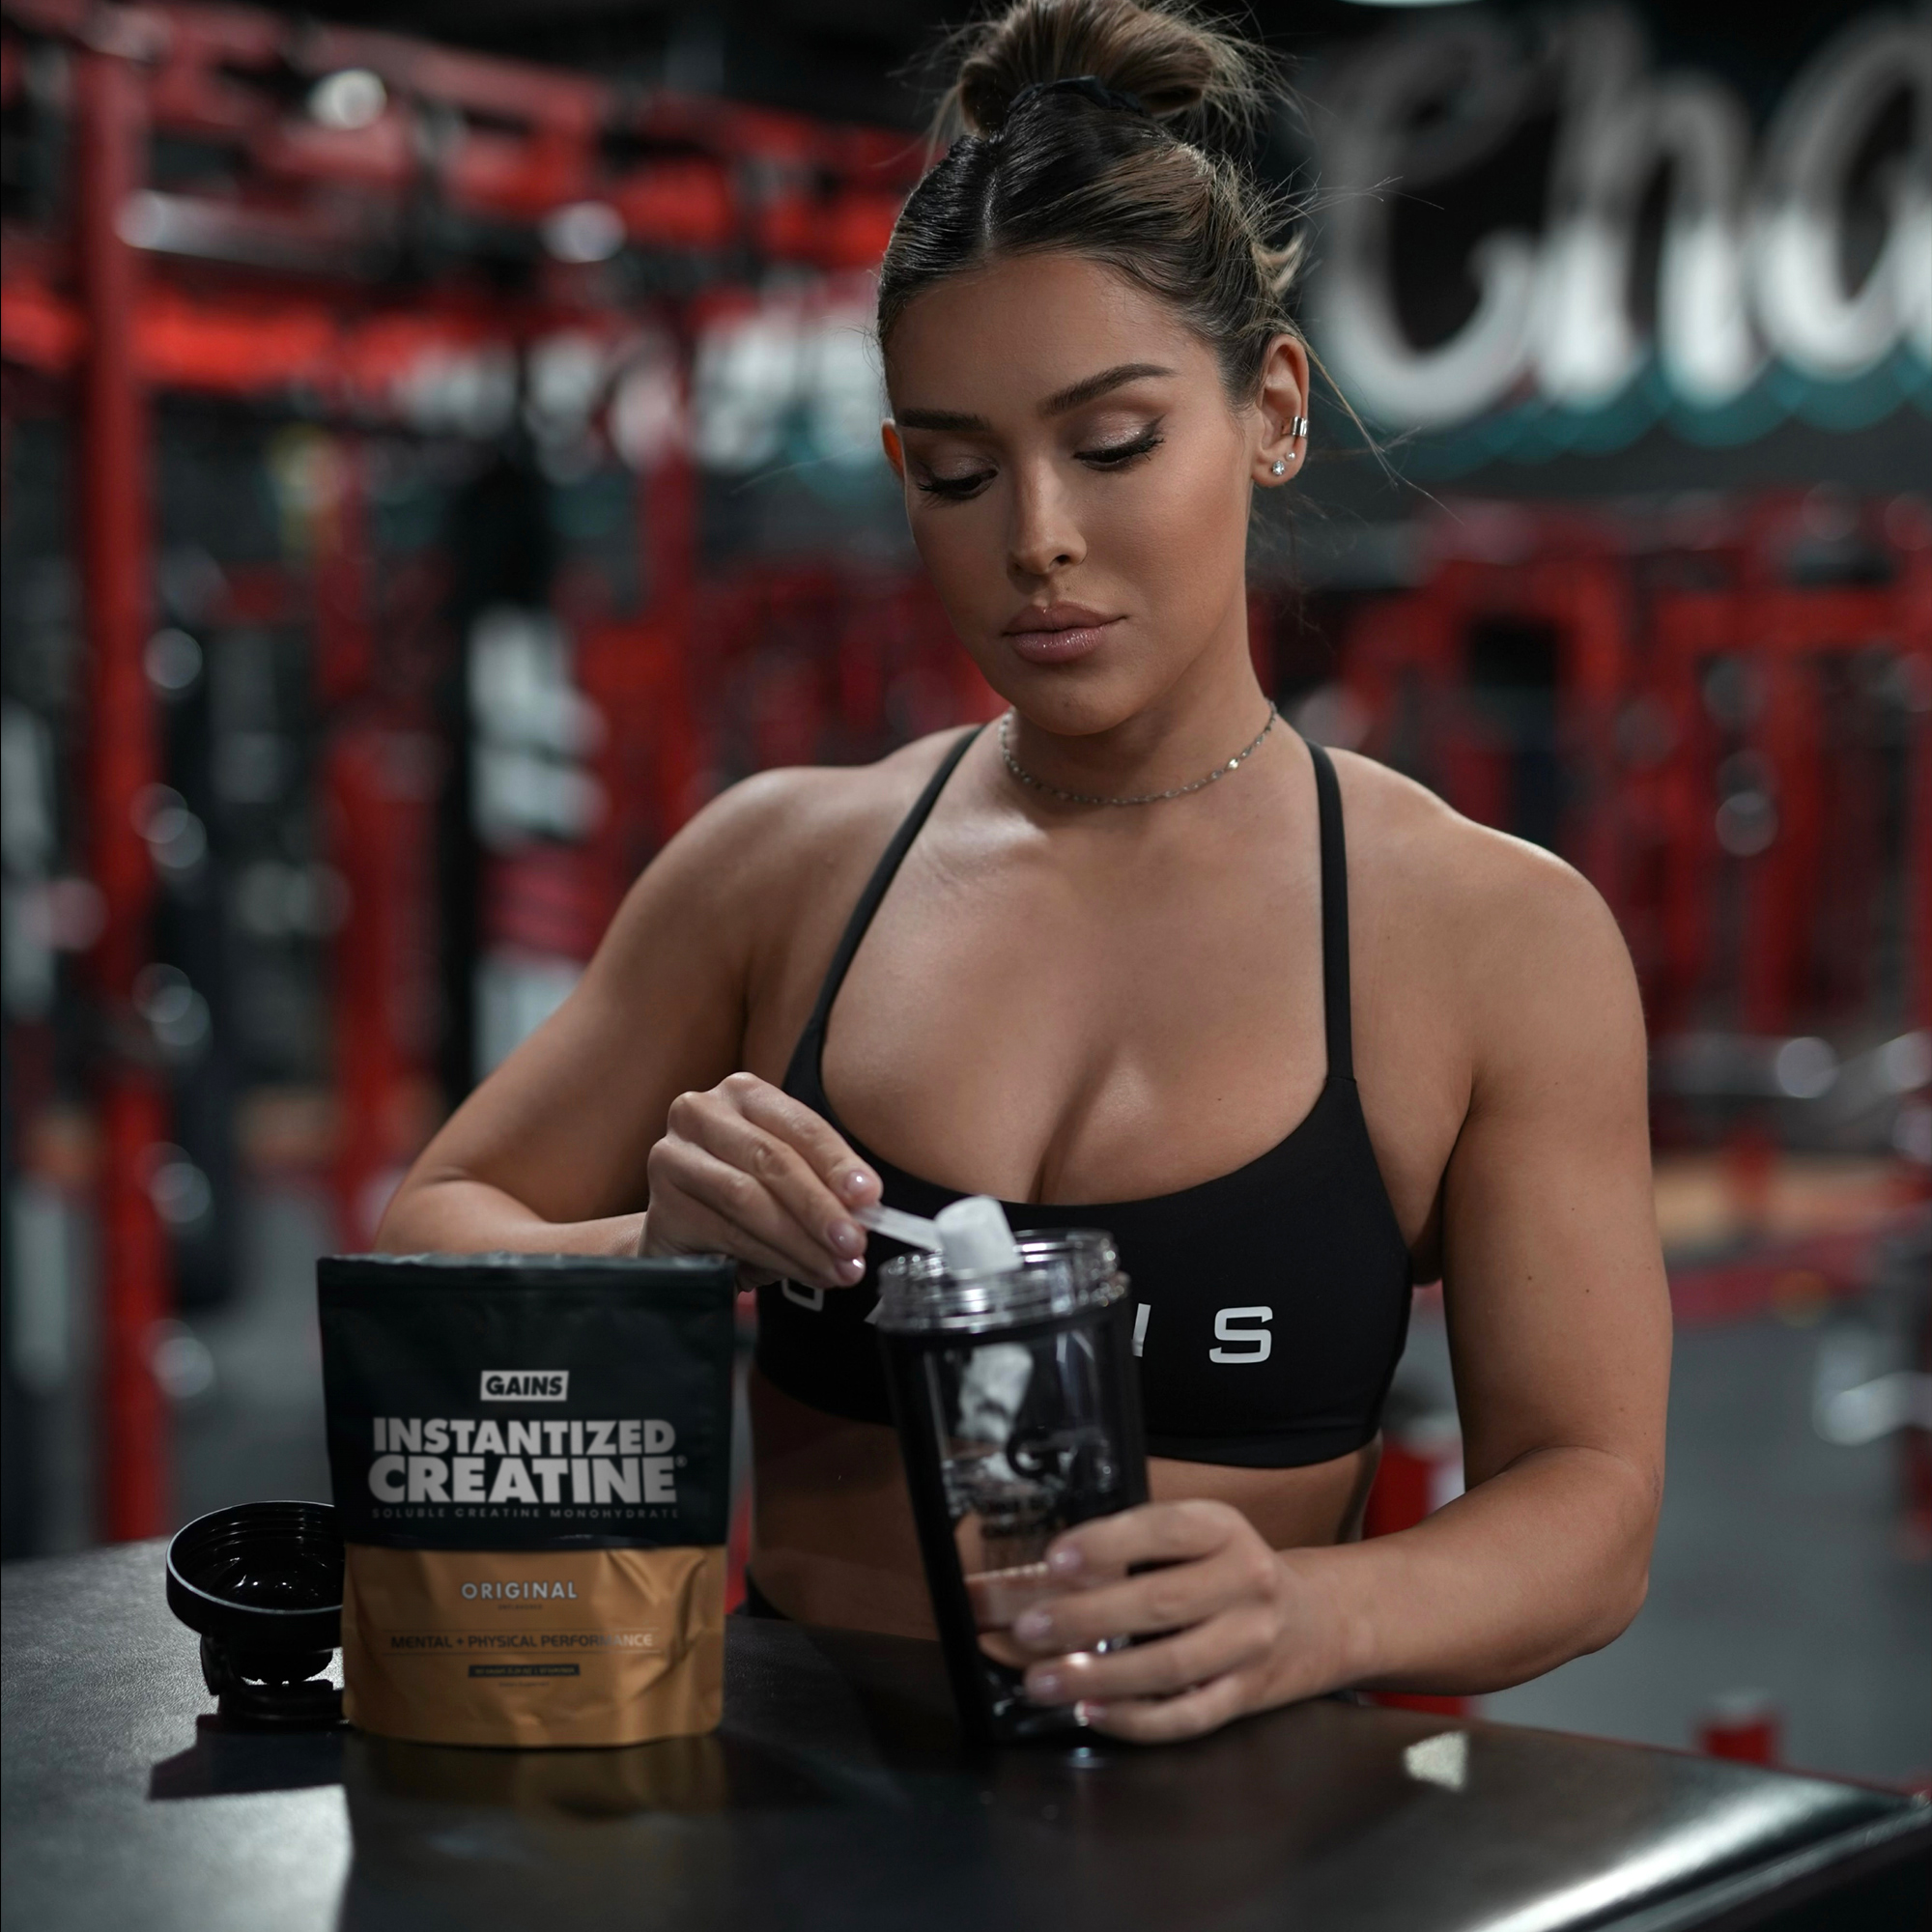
612, 1430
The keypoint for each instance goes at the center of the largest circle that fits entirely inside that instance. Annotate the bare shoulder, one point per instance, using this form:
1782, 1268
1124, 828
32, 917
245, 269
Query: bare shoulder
768, 827
780, 839
1525, 941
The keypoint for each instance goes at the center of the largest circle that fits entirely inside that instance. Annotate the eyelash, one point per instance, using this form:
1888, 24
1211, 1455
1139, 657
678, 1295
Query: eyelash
1116, 456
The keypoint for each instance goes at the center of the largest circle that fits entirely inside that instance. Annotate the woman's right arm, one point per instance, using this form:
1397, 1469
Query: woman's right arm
624, 1125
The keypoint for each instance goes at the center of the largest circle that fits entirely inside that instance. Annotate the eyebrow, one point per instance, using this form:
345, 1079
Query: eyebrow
1089, 388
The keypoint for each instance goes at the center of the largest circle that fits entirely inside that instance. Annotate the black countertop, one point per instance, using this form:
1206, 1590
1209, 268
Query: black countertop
837, 1795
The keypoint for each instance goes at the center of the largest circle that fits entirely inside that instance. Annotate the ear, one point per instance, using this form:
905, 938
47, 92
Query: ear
895, 449
1283, 399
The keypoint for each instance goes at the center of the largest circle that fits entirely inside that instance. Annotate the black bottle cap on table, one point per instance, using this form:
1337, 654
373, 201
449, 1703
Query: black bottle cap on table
262, 1584
266, 1576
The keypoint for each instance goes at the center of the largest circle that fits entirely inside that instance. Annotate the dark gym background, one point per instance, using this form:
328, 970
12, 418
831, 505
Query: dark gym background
439, 451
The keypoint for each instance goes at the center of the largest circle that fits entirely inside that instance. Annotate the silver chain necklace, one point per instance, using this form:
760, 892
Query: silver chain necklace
1026, 778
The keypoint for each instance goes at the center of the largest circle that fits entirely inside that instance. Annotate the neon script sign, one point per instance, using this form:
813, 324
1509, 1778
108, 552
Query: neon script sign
1793, 272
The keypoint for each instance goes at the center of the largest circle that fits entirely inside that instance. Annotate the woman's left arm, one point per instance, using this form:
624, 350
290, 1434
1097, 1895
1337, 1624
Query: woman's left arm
1560, 1331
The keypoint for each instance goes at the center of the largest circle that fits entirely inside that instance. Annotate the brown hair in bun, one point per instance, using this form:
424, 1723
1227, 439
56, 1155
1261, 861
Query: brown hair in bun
1179, 70
1127, 162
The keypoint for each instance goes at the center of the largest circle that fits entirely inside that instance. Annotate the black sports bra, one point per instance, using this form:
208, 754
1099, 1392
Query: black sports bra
1272, 1302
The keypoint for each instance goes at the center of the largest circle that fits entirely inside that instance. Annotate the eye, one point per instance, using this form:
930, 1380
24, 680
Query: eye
955, 489
1118, 455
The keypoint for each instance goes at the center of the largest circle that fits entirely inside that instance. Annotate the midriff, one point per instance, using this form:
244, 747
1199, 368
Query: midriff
833, 1538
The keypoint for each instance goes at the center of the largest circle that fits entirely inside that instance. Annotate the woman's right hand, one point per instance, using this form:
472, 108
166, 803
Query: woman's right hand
747, 1171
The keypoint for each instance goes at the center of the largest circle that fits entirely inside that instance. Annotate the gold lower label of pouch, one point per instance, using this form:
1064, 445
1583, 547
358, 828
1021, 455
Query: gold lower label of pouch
533, 1647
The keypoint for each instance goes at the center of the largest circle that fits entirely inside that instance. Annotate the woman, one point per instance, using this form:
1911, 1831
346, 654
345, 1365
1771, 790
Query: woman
1136, 957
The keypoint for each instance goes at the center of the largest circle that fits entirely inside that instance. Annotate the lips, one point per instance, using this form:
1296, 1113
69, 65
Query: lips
1058, 633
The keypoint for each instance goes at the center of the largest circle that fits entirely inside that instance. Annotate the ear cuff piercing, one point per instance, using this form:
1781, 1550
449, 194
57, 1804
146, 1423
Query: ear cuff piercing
1297, 428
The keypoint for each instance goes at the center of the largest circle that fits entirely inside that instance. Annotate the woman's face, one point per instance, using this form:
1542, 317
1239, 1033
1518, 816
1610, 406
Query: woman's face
1078, 483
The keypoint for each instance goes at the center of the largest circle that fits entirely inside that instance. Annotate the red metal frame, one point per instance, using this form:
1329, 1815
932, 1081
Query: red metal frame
380, 778
284, 312
114, 548
494, 137
1641, 827
297, 309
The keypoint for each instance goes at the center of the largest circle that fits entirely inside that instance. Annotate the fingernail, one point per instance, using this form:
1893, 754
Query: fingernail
857, 1184
850, 1271
845, 1238
1063, 1562
1044, 1685
1086, 1712
1029, 1626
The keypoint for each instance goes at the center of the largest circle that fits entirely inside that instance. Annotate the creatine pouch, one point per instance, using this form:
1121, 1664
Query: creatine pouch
531, 1456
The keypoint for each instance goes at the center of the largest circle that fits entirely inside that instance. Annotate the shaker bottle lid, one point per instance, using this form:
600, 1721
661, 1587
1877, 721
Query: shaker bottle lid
1052, 1275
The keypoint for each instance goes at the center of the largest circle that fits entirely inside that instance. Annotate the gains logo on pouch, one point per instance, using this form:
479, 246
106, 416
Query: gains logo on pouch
525, 1386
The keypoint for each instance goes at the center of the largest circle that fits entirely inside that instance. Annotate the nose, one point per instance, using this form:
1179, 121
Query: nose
1044, 537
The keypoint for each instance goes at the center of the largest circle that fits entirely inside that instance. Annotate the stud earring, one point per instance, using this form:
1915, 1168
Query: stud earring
1278, 468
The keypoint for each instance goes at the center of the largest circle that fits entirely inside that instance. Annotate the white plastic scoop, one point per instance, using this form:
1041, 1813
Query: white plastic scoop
914, 1230
972, 1235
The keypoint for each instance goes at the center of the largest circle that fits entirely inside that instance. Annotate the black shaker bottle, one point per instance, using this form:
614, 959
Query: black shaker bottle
1018, 1410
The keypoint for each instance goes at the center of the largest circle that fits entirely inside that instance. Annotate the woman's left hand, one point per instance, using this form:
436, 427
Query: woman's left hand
1227, 1625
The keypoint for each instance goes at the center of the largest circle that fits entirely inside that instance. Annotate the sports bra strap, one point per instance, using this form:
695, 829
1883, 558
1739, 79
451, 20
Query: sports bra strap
881, 880
1335, 994
1334, 917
